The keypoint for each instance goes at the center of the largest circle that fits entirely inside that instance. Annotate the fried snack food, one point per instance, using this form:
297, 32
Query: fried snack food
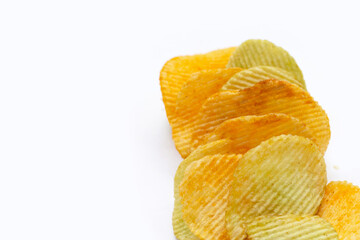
283, 175
249, 131
255, 52
269, 96
177, 71
289, 227
197, 89
204, 192
341, 207
249, 77
190, 99
181, 229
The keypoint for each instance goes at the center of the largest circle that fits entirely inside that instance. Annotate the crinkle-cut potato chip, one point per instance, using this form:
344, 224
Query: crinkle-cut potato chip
283, 175
255, 52
176, 72
268, 96
193, 94
204, 193
249, 77
289, 227
198, 88
341, 207
181, 229
249, 131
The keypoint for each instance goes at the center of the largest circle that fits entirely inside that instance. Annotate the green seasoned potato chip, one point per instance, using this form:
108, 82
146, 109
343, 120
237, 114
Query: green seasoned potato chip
290, 227
249, 77
283, 175
253, 52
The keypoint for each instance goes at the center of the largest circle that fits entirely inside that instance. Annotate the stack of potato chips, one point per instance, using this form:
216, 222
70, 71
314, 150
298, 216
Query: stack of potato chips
253, 142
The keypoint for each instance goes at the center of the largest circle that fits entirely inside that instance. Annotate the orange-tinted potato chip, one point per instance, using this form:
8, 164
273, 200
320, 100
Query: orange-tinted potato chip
177, 71
341, 207
283, 175
255, 52
249, 131
198, 88
193, 94
204, 194
269, 96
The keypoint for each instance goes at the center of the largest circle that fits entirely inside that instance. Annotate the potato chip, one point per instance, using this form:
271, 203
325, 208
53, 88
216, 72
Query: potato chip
204, 193
181, 229
201, 86
269, 96
249, 131
283, 175
252, 53
190, 99
249, 77
290, 227
177, 71
341, 207
198, 88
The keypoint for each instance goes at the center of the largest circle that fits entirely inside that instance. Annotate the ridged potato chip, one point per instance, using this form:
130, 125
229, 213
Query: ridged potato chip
249, 77
245, 133
190, 99
181, 229
204, 193
254, 52
269, 96
290, 227
249, 131
283, 175
341, 207
198, 88
177, 71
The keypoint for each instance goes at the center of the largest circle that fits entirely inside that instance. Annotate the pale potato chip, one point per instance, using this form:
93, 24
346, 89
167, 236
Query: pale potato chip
249, 77
269, 96
289, 227
177, 71
254, 52
283, 175
204, 193
249, 131
181, 229
341, 207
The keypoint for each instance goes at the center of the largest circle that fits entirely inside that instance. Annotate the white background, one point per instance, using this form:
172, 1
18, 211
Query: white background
85, 147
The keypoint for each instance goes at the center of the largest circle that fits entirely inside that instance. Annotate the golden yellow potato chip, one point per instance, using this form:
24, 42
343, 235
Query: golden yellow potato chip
269, 96
254, 52
204, 193
341, 207
249, 77
289, 227
283, 175
181, 229
198, 88
249, 131
190, 99
177, 71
